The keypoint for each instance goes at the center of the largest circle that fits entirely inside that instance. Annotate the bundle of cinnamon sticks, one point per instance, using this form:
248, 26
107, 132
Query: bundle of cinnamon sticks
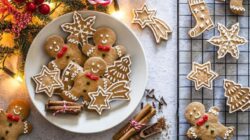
64, 107
143, 117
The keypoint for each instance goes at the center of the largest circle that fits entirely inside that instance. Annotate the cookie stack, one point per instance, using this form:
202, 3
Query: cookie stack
79, 71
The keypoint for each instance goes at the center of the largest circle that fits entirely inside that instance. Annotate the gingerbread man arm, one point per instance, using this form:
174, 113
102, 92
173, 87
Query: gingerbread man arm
192, 133
120, 51
88, 49
214, 111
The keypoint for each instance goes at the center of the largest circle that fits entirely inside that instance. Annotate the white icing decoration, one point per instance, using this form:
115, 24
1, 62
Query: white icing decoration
118, 50
227, 134
70, 95
25, 129
90, 51
213, 111
193, 133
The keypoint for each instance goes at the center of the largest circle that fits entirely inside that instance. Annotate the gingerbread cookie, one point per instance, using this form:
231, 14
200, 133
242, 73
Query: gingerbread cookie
206, 126
69, 74
81, 29
202, 75
228, 41
237, 96
12, 122
203, 19
100, 99
120, 70
88, 80
63, 53
104, 39
47, 81
119, 90
146, 18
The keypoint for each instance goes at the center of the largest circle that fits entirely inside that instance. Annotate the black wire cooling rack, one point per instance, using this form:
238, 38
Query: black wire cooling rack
199, 50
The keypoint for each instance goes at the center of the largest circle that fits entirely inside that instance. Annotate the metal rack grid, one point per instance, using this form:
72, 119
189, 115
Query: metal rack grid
199, 50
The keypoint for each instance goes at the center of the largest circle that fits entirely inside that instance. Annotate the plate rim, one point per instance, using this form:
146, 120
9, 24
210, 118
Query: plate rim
144, 84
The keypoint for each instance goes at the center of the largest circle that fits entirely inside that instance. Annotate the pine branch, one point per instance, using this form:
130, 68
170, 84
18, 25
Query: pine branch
73, 5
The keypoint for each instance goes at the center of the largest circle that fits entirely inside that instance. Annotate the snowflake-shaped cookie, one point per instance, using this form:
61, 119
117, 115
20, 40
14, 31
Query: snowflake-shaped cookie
82, 28
47, 81
228, 41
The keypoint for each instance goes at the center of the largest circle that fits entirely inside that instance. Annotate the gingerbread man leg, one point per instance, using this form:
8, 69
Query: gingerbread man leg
225, 132
201, 14
236, 7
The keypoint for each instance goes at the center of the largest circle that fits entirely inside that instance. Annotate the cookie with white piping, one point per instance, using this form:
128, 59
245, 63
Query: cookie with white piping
63, 53
13, 122
88, 80
47, 81
120, 70
104, 39
206, 126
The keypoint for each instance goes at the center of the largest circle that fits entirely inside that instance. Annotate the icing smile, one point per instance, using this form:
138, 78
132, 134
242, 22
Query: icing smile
95, 70
16, 112
104, 41
197, 115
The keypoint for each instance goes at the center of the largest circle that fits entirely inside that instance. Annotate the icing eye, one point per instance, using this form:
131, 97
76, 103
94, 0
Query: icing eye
54, 42
93, 64
194, 109
107, 35
101, 35
98, 65
191, 113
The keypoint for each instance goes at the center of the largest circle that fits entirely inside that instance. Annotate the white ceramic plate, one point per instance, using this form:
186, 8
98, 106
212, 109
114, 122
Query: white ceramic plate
89, 122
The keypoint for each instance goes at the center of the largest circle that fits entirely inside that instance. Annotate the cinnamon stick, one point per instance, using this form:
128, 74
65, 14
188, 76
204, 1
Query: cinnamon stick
145, 120
63, 107
137, 118
61, 103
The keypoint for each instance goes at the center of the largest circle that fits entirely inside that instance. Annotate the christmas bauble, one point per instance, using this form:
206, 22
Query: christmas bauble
44, 9
38, 2
19, 1
31, 6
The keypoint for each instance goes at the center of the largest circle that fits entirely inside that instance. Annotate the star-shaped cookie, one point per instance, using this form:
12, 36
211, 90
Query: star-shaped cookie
47, 81
228, 41
82, 28
99, 100
144, 17
202, 75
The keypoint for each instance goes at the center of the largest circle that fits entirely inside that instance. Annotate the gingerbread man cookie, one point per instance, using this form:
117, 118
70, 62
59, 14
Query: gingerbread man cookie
12, 122
104, 39
206, 126
88, 81
63, 53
